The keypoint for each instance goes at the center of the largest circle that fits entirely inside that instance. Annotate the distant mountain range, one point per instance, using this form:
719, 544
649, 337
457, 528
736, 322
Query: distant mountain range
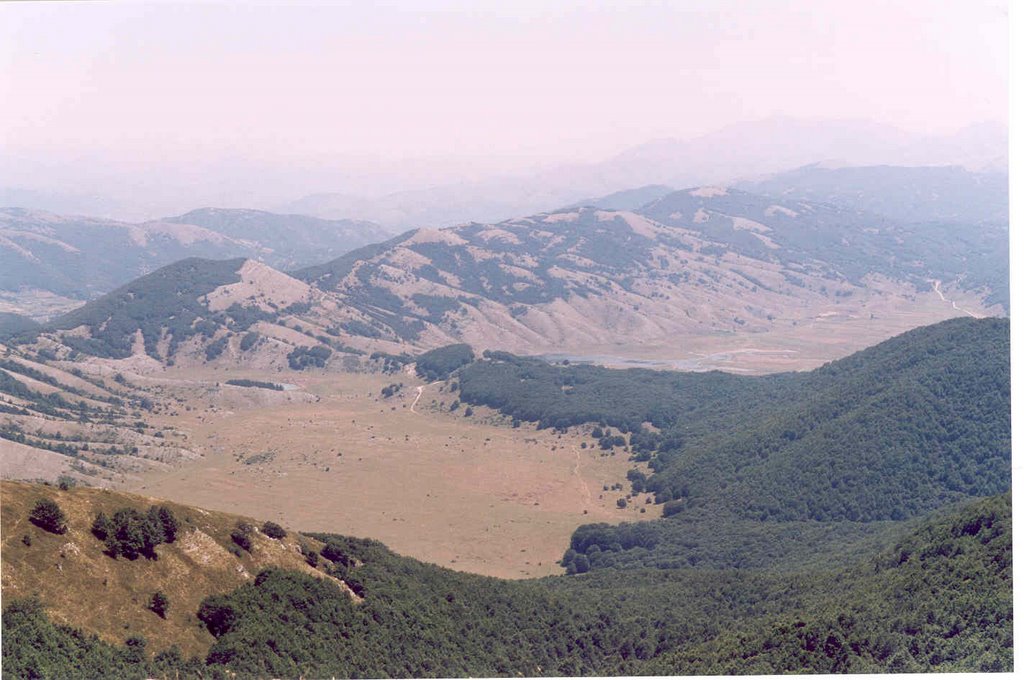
910, 194
701, 264
628, 199
79, 258
428, 193
735, 152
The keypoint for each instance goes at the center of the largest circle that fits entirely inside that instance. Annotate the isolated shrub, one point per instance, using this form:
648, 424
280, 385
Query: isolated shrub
273, 530
159, 604
101, 526
469, 412
47, 515
240, 535
65, 482
26, 539
163, 517
132, 534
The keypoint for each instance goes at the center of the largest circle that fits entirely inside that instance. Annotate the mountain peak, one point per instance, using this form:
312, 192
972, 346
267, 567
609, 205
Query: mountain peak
709, 191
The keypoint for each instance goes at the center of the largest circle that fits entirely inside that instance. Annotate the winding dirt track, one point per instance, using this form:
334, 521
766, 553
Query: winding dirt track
419, 393
935, 284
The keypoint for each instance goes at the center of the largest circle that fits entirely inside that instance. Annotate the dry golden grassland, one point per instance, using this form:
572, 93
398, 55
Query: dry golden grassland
819, 334
84, 587
470, 493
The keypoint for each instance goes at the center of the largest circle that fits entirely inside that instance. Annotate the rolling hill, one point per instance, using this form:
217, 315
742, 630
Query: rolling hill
194, 310
700, 262
937, 597
108, 596
58, 421
848, 241
74, 259
752, 470
287, 241
699, 278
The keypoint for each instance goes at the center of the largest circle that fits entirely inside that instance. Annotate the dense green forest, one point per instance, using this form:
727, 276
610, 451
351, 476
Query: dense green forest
889, 433
937, 597
439, 363
855, 518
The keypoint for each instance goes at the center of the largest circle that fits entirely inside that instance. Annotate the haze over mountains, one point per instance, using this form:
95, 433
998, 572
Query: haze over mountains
911, 194
490, 339
444, 192
696, 269
870, 491
738, 151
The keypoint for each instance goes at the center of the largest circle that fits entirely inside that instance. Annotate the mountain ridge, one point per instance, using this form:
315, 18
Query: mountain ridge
704, 263
81, 258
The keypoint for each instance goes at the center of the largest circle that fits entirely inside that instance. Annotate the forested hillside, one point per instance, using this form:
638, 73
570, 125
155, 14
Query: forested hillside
199, 309
937, 598
889, 433
166, 299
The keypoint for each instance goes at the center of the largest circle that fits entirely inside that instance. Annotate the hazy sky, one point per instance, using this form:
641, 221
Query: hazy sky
501, 85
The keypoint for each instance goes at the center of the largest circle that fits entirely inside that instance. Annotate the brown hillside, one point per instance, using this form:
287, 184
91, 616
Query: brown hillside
82, 586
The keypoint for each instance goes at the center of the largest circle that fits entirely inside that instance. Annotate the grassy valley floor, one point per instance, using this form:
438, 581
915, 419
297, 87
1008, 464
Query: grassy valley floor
471, 493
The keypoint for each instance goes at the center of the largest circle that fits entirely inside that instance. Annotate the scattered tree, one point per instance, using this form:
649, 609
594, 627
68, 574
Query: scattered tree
274, 530
163, 517
159, 604
101, 526
48, 516
133, 534
240, 535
